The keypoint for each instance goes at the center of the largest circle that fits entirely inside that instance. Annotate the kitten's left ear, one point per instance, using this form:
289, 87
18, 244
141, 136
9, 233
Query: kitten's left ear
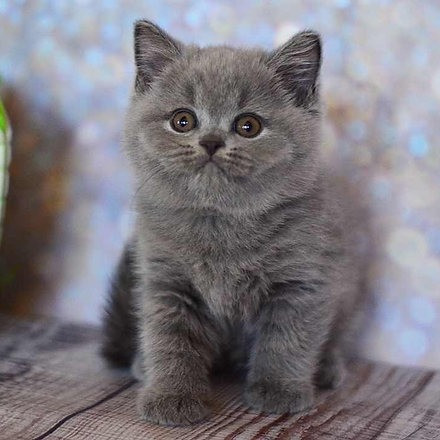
297, 64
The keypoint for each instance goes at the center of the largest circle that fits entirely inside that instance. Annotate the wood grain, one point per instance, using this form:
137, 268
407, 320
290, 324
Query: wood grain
54, 385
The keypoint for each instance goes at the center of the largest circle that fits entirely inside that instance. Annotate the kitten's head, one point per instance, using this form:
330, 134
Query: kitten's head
223, 128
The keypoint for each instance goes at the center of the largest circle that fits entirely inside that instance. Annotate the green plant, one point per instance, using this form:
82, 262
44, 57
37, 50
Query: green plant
4, 160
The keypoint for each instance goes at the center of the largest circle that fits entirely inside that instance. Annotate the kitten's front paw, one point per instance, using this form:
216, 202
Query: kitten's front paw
171, 410
270, 397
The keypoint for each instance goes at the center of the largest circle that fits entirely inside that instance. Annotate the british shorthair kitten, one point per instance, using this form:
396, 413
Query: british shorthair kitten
241, 252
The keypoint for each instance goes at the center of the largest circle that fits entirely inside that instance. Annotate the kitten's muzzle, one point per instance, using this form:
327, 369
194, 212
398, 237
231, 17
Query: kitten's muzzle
211, 144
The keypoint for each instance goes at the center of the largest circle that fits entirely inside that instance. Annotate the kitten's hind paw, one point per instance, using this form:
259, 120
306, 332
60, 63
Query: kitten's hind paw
171, 410
137, 368
269, 397
331, 372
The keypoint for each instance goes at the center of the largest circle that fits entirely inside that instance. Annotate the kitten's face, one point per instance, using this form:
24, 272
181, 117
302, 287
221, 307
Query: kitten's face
217, 128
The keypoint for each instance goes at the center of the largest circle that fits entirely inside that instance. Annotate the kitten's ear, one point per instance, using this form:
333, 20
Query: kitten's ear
153, 50
297, 64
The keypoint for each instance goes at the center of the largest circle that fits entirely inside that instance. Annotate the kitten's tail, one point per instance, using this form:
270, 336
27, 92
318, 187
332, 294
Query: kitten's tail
119, 344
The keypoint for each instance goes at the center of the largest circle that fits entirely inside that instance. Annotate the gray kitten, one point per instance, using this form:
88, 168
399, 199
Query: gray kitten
240, 252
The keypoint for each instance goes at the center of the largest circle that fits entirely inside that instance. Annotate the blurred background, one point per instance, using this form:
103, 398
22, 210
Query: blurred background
67, 72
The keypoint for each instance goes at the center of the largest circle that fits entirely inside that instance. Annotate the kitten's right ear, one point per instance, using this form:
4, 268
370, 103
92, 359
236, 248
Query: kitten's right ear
297, 64
153, 50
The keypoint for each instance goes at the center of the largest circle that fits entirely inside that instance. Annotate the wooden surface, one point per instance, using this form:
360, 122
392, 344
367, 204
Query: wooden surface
53, 385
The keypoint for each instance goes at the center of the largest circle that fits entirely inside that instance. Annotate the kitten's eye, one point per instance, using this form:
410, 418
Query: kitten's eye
183, 120
248, 126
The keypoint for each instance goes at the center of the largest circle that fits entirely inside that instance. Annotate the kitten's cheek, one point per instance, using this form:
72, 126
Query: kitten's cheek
272, 153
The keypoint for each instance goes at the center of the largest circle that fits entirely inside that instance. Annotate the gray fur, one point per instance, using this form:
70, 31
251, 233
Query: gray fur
246, 259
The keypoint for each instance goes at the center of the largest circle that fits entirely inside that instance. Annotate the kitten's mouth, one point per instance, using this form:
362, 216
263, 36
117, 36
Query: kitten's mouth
212, 164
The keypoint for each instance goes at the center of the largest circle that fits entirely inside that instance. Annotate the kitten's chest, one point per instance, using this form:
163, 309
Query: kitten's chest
224, 259
230, 289
225, 264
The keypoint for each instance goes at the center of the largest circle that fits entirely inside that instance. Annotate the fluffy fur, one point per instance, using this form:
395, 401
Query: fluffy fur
245, 257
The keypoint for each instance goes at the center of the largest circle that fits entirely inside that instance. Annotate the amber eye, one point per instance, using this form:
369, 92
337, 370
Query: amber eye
183, 120
248, 126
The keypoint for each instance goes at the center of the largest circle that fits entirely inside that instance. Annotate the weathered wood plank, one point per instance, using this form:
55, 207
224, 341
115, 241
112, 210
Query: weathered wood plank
40, 369
53, 385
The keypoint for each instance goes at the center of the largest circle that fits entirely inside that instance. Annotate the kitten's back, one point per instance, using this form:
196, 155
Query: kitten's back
119, 345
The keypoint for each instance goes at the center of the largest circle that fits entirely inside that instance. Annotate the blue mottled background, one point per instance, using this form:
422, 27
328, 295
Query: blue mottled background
68, 71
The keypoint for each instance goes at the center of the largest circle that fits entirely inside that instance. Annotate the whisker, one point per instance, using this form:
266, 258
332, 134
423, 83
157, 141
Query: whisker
187, 159
238, 156
242, 166
141, 186
180, 154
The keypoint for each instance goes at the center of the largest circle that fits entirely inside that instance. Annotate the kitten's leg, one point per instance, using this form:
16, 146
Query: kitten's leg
178, 345
290, 332
137, 368
331, 370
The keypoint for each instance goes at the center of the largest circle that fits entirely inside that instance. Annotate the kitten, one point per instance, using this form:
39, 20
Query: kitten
239, 250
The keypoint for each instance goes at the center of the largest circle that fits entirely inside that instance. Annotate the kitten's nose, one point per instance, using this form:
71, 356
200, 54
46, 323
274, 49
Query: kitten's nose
211, 143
